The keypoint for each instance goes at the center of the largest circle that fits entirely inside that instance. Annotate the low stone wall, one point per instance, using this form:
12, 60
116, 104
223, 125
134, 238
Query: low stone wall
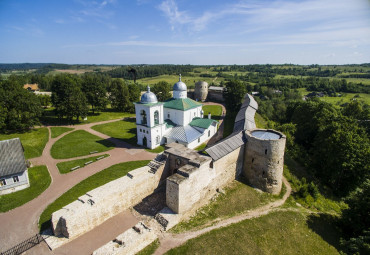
130, 242
104, 202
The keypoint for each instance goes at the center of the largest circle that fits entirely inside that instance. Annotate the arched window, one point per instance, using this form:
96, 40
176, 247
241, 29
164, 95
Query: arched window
143, 117
156, 118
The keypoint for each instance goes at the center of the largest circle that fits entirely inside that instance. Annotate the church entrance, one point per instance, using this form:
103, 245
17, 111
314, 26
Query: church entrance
145, 142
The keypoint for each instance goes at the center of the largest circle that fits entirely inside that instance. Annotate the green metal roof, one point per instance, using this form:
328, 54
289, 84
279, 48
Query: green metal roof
202, 123
169, 123
181, 104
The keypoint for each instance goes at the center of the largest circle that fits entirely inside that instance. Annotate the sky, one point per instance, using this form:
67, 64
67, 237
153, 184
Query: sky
201, 32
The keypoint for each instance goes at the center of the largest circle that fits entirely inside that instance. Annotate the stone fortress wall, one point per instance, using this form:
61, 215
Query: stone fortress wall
191, 179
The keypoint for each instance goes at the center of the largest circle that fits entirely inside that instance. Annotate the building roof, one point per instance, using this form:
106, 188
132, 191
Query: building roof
181, 104
202, 123
214, 88
169, 123
31, 86
266, 135
185, 134
227, 145
245, 117
179, 86
12, 159
148, 97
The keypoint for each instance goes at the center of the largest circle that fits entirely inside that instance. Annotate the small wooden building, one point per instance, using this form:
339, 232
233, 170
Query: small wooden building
13, 166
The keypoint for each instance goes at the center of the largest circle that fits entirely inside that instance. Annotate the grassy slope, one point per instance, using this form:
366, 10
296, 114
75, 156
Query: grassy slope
39, 181
79, 143
33, 141
275, 233
150, 249
65, 167
57, 131
238, 198
86, 185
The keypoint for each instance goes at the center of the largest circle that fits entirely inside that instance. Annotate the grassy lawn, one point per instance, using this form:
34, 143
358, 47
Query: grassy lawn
275, 233
108, 114
57, 131
124, 130
33, 141
39, 181
238, 198
150, 249
65, 167
90, 183
79, 143
215, 110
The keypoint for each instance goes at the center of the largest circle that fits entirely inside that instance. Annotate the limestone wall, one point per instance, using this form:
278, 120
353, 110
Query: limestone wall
264, 162
130, 242
104, 202
192, 186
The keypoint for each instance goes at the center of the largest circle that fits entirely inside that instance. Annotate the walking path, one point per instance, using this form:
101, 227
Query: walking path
169, 241
22, 222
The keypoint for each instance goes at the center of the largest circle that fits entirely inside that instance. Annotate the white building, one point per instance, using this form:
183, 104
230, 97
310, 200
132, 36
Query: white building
179, 119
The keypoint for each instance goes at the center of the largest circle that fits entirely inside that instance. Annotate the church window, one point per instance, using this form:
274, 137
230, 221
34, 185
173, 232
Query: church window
2, 182
209, 133
143, 117
168, 115
157, 140
156, 118
15, 179
141, 130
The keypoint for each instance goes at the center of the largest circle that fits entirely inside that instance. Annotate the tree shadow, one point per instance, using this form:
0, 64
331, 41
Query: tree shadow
326, 226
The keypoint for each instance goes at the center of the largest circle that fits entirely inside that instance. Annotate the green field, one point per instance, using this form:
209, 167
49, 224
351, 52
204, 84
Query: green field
172, 79
122, 129
276, 233
40, 180
90, 183
344, 98
65, 167
33, 141
79, 143
57, 131
215, 110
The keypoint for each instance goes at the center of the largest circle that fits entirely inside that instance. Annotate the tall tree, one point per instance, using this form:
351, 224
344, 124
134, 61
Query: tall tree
162, 90
95, 88
134, 95
19, 108
234, 93
67, 97
119, 95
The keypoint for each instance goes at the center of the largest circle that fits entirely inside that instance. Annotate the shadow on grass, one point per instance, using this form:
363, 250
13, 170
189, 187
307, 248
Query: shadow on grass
326, 226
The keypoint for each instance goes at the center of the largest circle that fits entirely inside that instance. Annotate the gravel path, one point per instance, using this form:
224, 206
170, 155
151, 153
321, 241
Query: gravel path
169, 241
22, 222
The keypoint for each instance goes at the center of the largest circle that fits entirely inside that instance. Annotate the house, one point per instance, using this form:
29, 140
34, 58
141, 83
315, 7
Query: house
31, 87
13, 167
179, 119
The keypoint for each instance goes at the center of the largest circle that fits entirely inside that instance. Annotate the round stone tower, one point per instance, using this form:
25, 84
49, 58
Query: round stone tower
264, 159
201, 91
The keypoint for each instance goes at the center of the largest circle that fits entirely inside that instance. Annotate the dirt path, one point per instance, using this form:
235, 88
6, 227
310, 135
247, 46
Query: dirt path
169, 241
22, 222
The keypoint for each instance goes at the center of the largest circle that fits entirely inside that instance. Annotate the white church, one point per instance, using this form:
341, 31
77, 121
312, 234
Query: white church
179, 119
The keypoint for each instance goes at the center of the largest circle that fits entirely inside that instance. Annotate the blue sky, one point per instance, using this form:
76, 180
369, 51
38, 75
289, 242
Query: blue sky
185, 31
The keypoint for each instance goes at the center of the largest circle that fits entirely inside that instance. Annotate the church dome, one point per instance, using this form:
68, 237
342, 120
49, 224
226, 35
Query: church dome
148, 97
179, 86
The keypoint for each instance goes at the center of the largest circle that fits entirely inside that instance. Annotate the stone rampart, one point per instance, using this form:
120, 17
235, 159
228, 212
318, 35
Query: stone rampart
104, 202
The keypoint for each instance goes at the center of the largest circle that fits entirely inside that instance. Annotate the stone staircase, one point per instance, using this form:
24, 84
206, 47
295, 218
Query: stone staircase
159, 160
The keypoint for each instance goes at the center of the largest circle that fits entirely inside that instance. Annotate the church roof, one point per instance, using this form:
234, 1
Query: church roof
181, 104
12, 159
169, 123
185, 134
202, 123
